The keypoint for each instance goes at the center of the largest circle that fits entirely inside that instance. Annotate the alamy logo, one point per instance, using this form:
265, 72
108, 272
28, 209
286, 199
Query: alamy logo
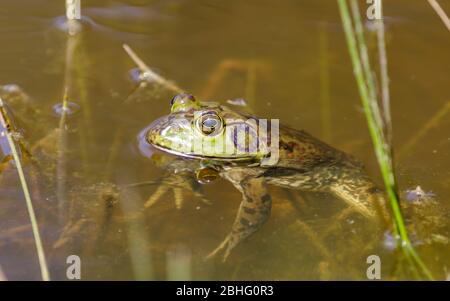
373, 10
73, 271
374, 270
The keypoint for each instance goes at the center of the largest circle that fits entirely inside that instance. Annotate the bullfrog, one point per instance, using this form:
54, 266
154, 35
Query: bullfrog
259, 154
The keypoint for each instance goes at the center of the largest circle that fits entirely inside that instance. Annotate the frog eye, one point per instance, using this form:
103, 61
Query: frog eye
209, 123
182, 102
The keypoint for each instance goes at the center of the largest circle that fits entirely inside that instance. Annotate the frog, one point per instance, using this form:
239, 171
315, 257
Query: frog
301, 162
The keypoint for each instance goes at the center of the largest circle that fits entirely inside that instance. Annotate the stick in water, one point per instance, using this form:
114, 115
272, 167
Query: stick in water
73, 9
441, 13
73, 14
149, 73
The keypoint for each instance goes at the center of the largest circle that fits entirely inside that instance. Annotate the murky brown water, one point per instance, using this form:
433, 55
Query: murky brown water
290, 62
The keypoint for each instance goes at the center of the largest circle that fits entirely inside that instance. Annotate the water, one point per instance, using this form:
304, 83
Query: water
288, 61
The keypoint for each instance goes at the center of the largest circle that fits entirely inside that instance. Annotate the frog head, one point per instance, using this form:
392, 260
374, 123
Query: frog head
207, 130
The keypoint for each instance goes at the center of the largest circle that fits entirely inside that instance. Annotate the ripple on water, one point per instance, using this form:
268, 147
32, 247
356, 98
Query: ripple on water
136, 75
72, 26
145, 148
70, 109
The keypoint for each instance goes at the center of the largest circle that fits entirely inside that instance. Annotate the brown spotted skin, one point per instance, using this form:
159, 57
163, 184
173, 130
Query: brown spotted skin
311, 165
306, 164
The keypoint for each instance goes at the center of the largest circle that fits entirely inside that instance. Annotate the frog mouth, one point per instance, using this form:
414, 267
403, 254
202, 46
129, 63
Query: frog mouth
243, 158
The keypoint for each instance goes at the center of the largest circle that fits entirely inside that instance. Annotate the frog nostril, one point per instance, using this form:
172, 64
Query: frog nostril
190, 97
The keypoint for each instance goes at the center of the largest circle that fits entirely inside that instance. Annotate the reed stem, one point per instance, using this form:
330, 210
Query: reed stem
2, 275
366, 83
385, 95
34, 225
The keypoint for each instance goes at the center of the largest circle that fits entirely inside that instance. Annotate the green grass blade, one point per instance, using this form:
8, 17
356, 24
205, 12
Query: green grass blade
365, 83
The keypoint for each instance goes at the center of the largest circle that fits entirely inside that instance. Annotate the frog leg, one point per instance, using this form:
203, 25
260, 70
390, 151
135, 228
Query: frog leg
177, 183
160, 191
355, 188
253, 212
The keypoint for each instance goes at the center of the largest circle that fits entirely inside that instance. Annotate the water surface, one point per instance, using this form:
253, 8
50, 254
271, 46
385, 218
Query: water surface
289, 61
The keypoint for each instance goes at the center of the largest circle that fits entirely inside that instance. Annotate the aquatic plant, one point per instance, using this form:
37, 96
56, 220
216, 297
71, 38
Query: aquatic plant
378, 119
